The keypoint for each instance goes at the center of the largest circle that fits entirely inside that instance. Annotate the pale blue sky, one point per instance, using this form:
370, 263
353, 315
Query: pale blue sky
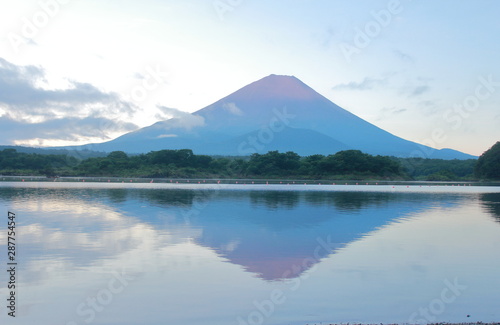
402, 65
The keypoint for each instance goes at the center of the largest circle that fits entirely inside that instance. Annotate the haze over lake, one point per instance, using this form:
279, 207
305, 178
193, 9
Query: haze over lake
123, 254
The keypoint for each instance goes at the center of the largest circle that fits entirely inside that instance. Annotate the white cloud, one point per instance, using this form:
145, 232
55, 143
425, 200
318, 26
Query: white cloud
24, 98
181, 119
232, 108
161, 136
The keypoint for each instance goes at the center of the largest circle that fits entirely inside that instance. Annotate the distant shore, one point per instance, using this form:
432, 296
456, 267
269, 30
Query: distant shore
241, 181
245, 184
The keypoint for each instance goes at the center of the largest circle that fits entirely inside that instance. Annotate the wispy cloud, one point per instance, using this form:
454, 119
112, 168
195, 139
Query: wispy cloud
388, 112
419, 90
404, 56
161, 136
415, 87
365, 84
428, 107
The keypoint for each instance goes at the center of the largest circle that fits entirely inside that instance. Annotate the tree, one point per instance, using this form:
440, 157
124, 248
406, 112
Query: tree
488, 164
347, 161
274, 163
48, 171
118, 155
181, 158
310, 165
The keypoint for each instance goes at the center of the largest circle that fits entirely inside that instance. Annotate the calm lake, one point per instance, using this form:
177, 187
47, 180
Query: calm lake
219, 255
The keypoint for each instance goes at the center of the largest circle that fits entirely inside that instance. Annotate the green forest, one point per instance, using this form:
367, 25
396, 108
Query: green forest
349, 164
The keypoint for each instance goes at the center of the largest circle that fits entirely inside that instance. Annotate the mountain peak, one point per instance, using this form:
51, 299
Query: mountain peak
277, 86
279, 77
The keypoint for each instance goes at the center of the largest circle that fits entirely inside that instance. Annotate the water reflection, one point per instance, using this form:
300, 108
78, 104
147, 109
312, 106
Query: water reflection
166, 198
216, 252
491, 203
117, 195
275, 200
349, 201
267, 233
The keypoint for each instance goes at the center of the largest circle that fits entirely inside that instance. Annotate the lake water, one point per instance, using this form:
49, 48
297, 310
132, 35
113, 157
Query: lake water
163, 254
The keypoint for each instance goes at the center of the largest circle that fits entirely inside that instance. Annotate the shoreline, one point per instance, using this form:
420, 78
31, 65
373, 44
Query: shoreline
244, 181
251, 185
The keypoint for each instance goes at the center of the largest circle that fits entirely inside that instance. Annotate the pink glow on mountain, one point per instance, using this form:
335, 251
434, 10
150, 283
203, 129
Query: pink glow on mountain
273, 269
277, 86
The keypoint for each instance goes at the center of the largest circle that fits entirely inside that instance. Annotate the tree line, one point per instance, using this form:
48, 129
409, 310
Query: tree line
488, 164
348, 164
14, 163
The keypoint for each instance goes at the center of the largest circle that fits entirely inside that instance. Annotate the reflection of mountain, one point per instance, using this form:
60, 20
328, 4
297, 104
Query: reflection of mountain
274, 235
282, 243
491, 203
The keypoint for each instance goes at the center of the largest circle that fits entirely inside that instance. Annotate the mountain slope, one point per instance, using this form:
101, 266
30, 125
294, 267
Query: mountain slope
273, 113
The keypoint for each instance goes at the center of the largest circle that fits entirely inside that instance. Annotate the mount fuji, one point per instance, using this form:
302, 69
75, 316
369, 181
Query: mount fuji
274, 113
